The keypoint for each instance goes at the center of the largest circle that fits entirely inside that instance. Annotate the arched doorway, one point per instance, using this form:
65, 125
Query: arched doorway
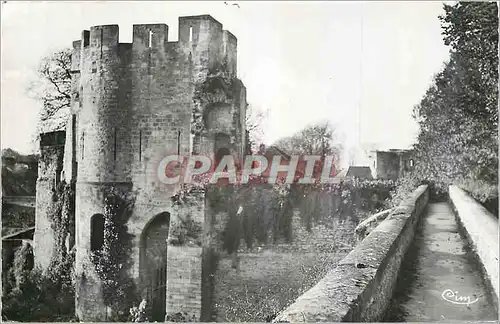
154, 265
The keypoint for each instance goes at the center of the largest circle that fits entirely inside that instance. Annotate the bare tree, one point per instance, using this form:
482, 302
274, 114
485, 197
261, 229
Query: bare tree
254, 120
53, 89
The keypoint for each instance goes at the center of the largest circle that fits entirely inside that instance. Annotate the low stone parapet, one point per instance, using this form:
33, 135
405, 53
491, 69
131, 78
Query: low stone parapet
361, 286
481, 229
365, 227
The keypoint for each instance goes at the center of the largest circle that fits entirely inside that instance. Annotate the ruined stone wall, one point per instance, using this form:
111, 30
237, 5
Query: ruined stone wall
387, 165
337, 236
49, 167
391, 164
408, 157
331, 229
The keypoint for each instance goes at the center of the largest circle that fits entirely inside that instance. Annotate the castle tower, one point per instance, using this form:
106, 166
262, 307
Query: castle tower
132, 105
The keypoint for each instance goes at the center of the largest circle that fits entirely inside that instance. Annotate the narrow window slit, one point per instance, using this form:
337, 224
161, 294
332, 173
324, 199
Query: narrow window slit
102, 37
178, 142
150, 43
191, 33
83, 145
114, 150
140, 145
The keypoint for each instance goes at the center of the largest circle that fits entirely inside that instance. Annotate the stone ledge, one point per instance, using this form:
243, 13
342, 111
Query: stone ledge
361, 286
481, 230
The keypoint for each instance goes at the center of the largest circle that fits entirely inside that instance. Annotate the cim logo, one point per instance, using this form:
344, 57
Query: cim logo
453, 297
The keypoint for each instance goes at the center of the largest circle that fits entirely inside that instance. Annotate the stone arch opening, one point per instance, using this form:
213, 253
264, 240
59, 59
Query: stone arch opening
154, 265
96, 232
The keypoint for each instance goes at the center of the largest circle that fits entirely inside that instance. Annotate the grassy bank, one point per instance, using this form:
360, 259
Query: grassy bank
267, 282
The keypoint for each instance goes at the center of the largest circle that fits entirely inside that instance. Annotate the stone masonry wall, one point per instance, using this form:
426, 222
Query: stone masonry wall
184, 282
184, 263
49, 165
481, 230
387, 165
390, 164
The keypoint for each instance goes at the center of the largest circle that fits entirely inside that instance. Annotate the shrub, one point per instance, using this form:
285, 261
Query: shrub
33, 295
39, 298
138, 314
185, 232
479, 189
404, 187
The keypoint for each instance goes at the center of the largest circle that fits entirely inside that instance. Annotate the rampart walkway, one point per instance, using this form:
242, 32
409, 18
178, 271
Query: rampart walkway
425, 262
440, 275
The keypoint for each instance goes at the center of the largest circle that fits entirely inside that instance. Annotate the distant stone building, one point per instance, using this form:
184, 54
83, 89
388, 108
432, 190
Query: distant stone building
133, 104
393, 164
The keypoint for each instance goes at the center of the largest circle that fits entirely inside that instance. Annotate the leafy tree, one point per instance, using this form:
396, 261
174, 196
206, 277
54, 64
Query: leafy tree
458, 115
315, 139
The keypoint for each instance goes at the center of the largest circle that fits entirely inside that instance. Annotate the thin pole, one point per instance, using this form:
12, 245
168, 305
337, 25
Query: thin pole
360, 84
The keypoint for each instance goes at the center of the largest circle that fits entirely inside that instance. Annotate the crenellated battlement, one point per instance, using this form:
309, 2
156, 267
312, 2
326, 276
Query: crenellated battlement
201, 37
125, 91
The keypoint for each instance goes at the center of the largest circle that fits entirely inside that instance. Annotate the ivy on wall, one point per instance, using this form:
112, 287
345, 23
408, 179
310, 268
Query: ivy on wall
62, 221
185, 233
112, 261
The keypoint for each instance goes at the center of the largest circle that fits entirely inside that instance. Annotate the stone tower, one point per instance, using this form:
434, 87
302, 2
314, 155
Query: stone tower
133, 104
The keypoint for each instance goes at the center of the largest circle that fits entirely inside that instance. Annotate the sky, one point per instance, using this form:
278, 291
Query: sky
363, 66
